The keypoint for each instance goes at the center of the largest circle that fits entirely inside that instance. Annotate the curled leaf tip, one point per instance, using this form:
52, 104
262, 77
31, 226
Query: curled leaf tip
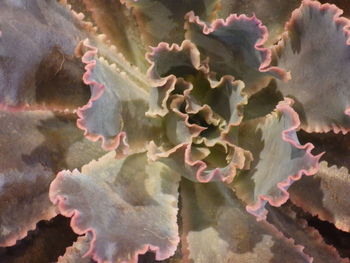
169, 60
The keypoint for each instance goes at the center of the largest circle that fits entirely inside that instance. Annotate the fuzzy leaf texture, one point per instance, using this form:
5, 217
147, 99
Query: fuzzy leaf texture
175, 129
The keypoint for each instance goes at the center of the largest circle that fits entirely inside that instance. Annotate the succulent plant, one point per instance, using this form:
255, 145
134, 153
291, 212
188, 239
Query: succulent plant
177, 127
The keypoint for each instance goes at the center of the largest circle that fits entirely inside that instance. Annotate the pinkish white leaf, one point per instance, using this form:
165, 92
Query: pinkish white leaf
279, 159
129, 205
318, 63
116, 110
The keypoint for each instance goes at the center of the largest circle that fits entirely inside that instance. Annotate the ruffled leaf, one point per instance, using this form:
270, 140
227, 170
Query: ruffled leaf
279, 159
216, 228
235, 47
38, 66
35, 145
329, 196
172, 61
116, 111
129, 205
159, 96
205, 102
273, 13
286, 221
318, 63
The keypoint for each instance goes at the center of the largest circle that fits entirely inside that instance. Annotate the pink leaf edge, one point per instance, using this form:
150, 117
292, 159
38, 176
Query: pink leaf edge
165, 47
258, 208
97, 89
74, 214
340, 22
259, 46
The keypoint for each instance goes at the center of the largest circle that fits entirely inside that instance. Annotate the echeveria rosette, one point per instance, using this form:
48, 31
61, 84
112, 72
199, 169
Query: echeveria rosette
213, 106
195, 136
209, 109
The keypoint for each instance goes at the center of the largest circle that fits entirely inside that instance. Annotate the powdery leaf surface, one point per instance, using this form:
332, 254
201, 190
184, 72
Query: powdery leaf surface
279, 159
37, 59
35, 145
318, 63
217, 228
273, 13
129, 205
116, 110
235, 47
329, 196
286, 221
